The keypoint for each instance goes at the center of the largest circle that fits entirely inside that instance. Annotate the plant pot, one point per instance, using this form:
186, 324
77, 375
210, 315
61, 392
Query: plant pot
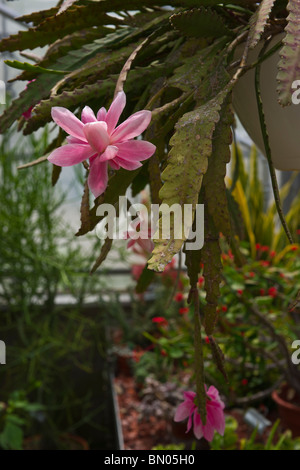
282, 123
289, 410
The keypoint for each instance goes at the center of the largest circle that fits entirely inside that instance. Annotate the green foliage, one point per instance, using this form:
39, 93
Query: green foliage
191, 148
261, 221
177, 63
230, 440
15, 417
200, 22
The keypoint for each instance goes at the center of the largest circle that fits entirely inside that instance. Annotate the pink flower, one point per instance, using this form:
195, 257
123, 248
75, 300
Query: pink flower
101, 142
140, 235
215, 419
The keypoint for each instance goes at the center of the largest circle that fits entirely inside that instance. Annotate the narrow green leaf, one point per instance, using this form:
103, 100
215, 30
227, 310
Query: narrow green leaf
103, 254
258, 21
200, 23
212, 271
214, 179
145, 280
218, 357
36, 69
56, 171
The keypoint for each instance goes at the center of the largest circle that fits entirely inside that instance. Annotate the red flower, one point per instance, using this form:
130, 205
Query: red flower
163, 353
178, 297
264, 248
240, 291
258, 246
200, 280
262, 291
272, 253
272, 291
251, 274
265, 263
230, 254
207, 339
298, 231
159, 320
294, 248
183, 310
244, 382
224, 308
282, 275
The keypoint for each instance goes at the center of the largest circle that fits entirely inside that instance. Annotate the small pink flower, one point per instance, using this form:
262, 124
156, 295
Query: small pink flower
141, 238
215, 419
98, 140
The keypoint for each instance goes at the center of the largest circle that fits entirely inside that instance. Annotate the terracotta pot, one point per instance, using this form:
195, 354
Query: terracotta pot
282, 123
289, 411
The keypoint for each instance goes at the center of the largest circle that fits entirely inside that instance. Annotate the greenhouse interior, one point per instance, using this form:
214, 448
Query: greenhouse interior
150, 227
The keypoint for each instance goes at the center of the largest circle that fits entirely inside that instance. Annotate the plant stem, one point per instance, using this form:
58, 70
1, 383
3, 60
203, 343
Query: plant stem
199, 363
267, 146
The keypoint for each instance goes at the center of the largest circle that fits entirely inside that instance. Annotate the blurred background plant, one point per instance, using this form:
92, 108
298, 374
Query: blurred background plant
55, 353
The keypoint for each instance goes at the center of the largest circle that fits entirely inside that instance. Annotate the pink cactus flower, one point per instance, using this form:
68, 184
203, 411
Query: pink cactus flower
215, 419
140, 234
101, 142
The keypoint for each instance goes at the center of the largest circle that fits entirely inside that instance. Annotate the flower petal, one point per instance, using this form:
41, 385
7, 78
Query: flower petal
74, 140
215, 397
208, 429
132, 127
189, 396
145, 244
101, 115
217, 419
115, 111
109, 153
183, 411
70, 154
126, 164
98, 177
96, 135
68, 122
113, 165
136, 150
198, 426
88, 115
